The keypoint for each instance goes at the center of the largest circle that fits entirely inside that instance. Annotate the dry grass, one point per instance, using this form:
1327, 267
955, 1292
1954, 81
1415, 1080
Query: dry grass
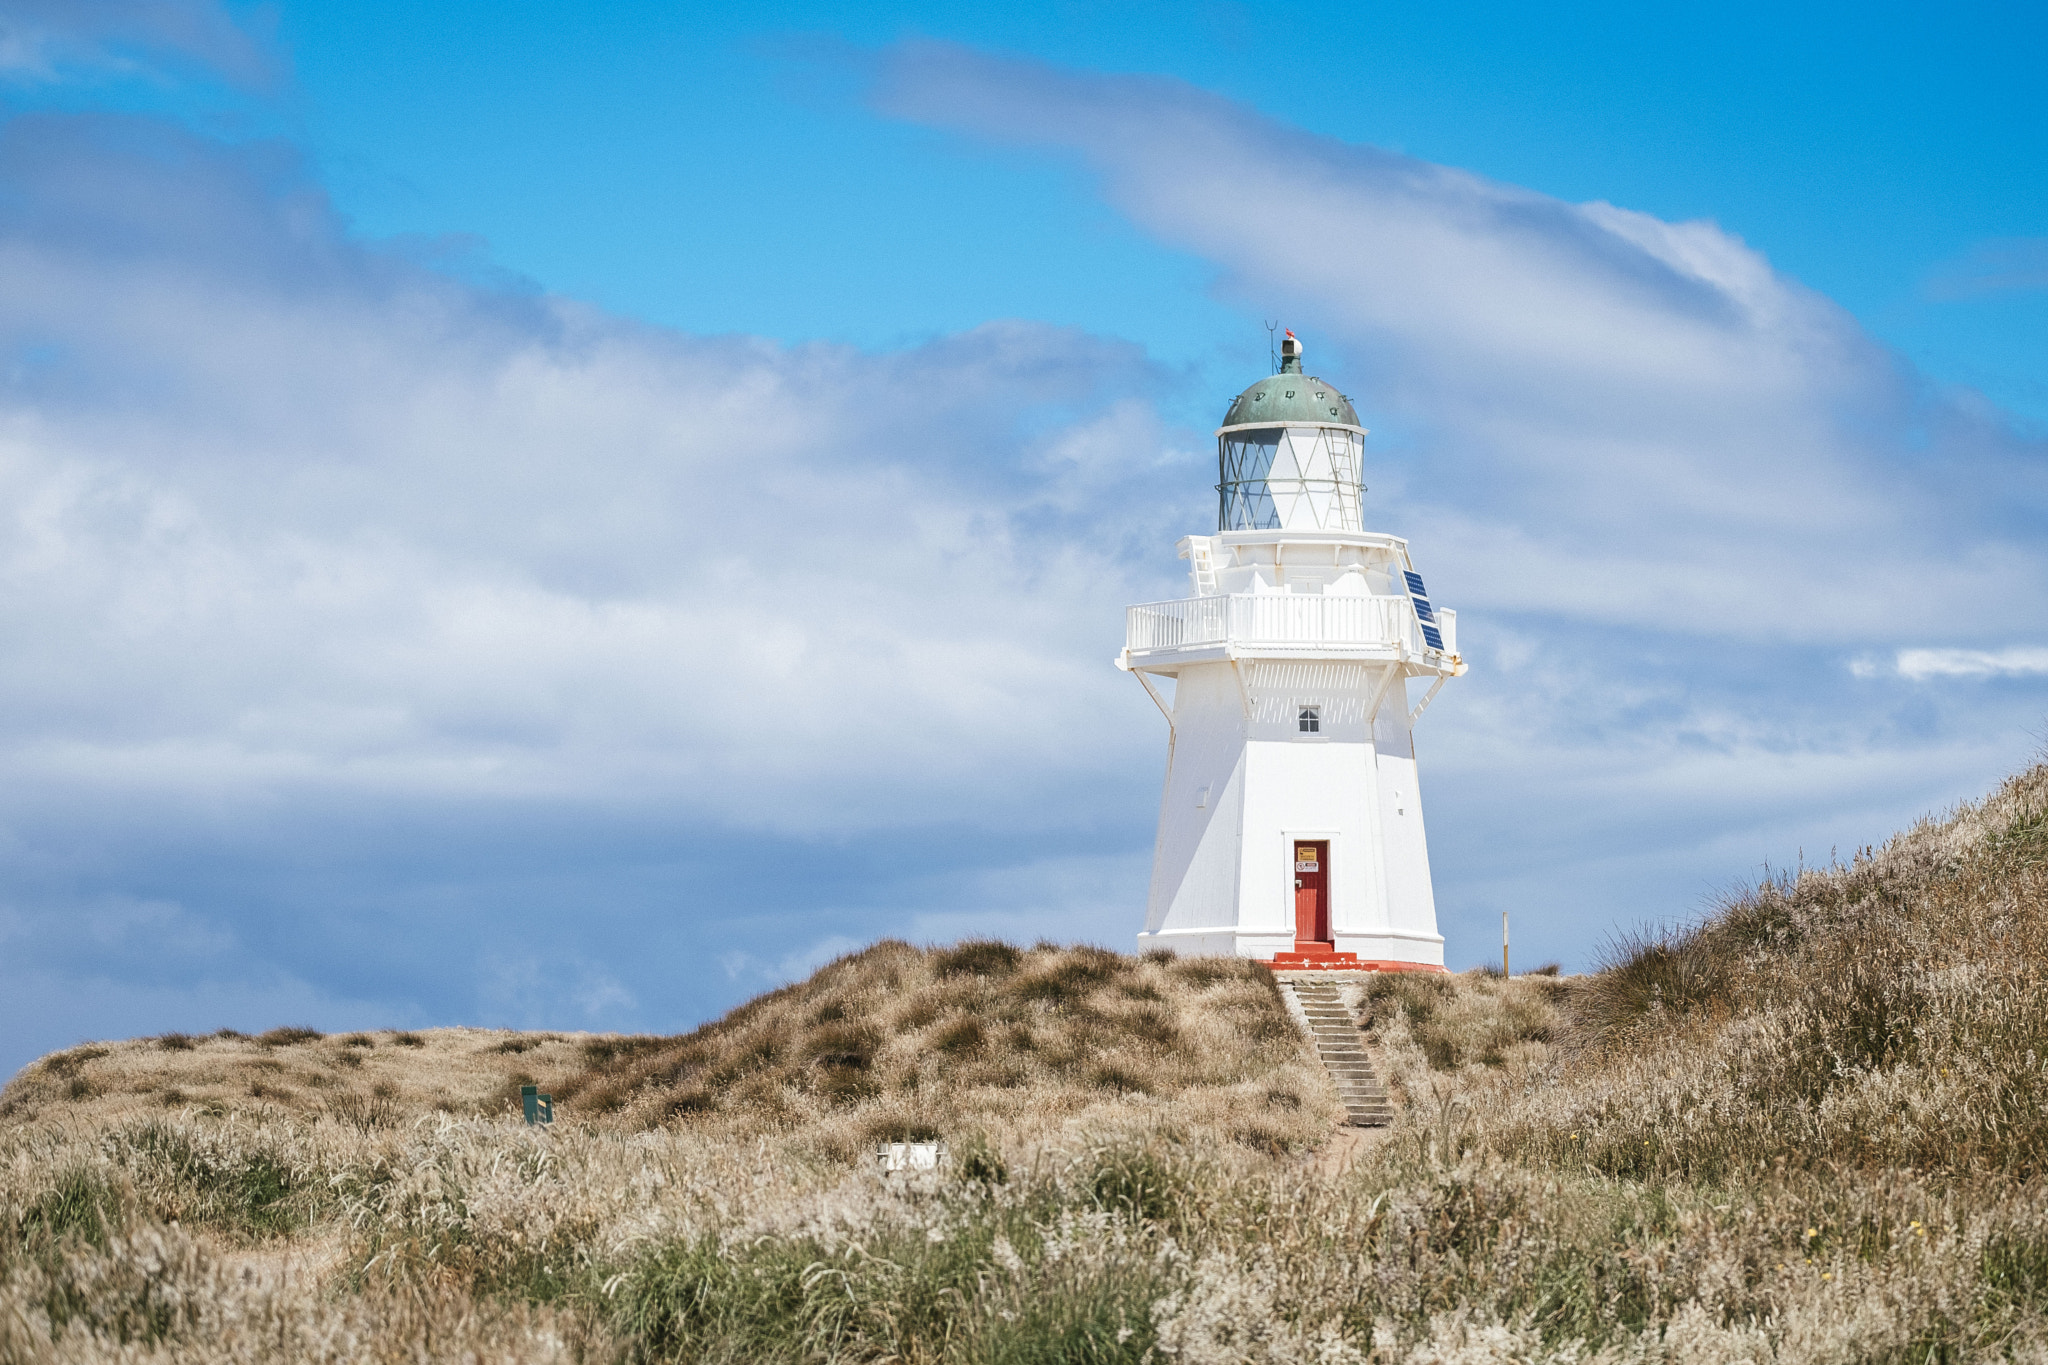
898, 1043
1887, 1014
374, 1079
1804, 1130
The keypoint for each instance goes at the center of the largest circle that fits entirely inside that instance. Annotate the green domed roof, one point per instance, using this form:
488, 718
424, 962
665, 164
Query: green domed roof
1291, 396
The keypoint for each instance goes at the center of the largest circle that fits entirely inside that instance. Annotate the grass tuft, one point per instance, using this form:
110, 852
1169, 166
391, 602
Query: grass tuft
977, 957
289, 1037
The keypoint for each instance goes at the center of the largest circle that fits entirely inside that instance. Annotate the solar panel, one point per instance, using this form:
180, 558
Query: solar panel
1424, 612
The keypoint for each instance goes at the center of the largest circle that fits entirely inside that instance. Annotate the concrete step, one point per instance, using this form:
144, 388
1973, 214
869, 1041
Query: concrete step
1334, 1035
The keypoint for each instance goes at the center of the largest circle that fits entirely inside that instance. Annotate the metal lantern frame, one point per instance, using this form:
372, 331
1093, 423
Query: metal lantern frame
1245, 492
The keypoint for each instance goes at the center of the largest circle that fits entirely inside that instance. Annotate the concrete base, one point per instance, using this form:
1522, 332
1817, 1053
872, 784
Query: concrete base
1321, 959
1350, 952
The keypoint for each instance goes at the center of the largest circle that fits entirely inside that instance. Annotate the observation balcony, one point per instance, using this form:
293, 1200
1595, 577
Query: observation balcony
1158, 635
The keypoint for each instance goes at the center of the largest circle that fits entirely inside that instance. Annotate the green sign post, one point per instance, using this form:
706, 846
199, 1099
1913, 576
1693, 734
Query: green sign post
539, 1108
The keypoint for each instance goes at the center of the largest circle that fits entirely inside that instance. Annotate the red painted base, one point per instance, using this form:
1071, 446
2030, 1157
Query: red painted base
1321, 957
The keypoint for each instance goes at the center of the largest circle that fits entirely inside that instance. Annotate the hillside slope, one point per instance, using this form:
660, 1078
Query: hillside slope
380, 1078
889, 1043
1887, 1013
897, 1042
1804, 1130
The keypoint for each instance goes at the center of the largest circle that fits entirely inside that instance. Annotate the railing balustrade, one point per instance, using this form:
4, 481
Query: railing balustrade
1282, 619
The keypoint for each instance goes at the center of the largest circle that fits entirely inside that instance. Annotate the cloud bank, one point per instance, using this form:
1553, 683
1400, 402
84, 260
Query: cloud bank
1673, 492
368, 616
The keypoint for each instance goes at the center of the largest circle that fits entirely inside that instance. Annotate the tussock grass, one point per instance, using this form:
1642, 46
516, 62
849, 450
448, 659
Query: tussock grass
896, 1043
358, 1077
1804, 1129
1885, 1013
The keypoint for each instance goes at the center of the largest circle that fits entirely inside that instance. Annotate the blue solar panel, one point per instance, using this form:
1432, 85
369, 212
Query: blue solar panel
1424, 612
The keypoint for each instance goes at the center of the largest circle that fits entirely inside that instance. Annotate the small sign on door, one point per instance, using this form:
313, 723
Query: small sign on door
1305, 859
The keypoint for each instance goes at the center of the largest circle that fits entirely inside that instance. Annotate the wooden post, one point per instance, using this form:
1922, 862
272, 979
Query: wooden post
1503, 944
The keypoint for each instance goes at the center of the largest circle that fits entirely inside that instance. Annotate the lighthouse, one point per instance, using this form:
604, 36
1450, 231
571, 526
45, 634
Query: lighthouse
1290, 829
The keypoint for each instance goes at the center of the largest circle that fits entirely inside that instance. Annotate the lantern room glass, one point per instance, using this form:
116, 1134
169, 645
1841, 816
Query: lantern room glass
1288, 478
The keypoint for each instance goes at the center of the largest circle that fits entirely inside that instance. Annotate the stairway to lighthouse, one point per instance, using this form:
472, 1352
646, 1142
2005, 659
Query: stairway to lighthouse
1334, 1032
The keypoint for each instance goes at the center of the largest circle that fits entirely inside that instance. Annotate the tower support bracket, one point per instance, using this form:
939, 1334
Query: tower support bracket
1157, 700
1372, 711
1427, 698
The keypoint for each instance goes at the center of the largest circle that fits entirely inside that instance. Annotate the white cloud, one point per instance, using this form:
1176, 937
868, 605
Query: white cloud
1625, 421
2017, 662
373, 533
294, 533
43, 40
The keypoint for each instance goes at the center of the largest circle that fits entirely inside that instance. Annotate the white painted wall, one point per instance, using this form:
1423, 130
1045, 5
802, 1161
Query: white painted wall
1194, 863
1411, 897
1244, 783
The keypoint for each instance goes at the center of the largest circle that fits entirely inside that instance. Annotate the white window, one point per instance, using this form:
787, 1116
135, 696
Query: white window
1310, 720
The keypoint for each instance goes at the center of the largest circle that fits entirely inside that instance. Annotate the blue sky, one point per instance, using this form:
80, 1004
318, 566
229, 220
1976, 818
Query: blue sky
525, 516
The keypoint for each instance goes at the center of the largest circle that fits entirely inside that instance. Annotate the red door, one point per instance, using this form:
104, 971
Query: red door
1311, 893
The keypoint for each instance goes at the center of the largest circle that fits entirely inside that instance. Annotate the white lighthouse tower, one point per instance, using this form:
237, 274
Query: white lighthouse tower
1291, 827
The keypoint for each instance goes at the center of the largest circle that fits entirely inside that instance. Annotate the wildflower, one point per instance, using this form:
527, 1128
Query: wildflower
1813, 1232
1827, 1274
1006, 1255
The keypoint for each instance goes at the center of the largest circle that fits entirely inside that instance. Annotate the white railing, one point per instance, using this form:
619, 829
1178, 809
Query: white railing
1282, 619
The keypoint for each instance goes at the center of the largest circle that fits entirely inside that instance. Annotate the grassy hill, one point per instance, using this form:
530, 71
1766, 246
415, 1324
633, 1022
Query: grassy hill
1808, 1128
